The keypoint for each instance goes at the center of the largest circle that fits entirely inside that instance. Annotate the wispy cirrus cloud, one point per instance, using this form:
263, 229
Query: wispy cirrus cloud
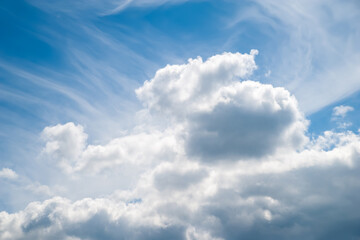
96, 7
316, 55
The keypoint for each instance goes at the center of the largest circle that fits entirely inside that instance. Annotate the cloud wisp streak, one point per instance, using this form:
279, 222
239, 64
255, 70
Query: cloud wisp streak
315, 52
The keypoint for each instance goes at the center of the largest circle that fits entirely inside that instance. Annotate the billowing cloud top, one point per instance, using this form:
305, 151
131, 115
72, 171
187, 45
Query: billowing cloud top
181, 89
221, 116
231, 161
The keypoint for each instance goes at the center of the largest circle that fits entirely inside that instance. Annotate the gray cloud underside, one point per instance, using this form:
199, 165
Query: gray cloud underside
308, 203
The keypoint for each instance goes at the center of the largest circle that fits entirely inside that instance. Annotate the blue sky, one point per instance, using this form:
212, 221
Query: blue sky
73, 68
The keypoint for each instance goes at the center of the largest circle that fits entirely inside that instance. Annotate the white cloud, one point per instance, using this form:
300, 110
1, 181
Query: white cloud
250, 120
268, 181
341, 111
66, 144
37, 188
318, 58
8, 173
140, 3
338, 115
182, 89
106, 7
210, 115
221, 116
178, 201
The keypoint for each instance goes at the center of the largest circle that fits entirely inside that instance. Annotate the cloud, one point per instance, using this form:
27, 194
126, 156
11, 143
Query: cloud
67, 146
182, 89
84, 219
318, 56
213, 116
140, 3
315, 199
37, 188
338, 115
65, 143
341, 111
221, 116
228, 159
177, 176
102, 8
252, 120
7, 173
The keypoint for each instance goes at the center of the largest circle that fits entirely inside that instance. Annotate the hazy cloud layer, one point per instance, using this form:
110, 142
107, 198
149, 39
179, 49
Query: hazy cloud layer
231, 161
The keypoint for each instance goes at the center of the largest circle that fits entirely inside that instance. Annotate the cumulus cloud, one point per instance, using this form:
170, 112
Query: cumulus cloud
224, 118
213, 116
232, 161
8, 173
67, 145
182, 89
338, 115
341, 111
177, 176
251, 120
196, 202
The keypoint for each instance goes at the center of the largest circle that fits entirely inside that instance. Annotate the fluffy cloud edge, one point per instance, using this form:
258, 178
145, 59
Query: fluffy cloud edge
8, 173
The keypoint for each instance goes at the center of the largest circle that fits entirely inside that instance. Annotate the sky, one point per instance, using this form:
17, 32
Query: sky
181, 119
